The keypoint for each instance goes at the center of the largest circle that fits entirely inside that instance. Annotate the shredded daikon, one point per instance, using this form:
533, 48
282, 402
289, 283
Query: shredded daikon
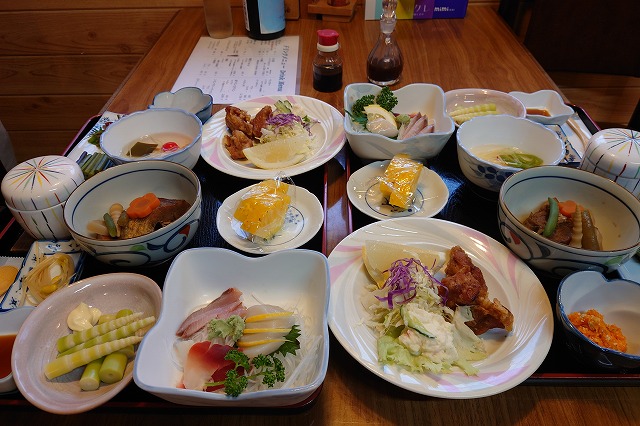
51, 273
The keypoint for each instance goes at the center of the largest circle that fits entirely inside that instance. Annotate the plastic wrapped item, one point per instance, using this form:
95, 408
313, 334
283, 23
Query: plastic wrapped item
262, 211
400, 180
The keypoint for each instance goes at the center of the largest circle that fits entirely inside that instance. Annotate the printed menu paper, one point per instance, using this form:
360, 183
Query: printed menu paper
237, 69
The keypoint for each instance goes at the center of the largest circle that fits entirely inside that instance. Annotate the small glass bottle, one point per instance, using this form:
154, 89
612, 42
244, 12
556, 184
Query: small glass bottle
327, 65
264, 19
217, 14
384, 65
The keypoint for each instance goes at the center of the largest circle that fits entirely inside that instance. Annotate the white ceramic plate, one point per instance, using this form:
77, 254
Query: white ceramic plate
11, 299
303, 220
511, 358
630, 270
35, 344
363, 190
463, 98
199, 275
329, 133
549, 100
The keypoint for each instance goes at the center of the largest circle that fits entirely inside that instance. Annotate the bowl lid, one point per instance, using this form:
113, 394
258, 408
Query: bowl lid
41, 182
615, 150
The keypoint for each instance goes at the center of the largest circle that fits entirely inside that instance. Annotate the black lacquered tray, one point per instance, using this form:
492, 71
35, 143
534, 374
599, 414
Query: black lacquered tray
477, 208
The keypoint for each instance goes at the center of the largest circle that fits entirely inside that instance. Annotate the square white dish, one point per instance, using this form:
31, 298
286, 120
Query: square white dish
292, 279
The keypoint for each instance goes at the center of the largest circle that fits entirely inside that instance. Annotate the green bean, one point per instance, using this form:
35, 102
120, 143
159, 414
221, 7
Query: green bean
589, 232
111, 226
552, 221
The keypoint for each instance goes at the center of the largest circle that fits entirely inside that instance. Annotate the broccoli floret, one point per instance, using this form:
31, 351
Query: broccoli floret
386, 99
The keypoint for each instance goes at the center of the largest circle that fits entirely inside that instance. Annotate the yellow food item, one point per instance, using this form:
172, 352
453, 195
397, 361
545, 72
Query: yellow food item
263, 208
592, 325
8, 275
379, 255
50, 274
400, 181
277, 154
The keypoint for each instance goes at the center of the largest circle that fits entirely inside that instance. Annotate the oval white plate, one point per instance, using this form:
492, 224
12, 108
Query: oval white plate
304, 218
464, 98
363, 190
329, 133
512, 357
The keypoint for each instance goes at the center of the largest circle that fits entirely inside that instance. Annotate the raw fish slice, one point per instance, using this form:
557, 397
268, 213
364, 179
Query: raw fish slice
227, 304
205, 363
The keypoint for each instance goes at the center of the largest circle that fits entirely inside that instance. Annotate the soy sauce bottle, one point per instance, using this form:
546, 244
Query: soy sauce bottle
384, 64
264, 19
327, 65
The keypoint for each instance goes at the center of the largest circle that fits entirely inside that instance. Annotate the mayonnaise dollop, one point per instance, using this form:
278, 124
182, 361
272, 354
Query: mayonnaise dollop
83, 317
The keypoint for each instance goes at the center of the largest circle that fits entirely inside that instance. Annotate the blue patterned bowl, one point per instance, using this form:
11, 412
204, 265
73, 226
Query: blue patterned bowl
617, 300
490, 132
121, 184
615, 211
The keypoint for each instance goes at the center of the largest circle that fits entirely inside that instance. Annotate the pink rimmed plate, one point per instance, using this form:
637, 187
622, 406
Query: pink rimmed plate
328, 132
512, 357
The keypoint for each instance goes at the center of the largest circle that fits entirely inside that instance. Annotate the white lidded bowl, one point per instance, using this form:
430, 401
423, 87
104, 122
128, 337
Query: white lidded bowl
36, 191
190, 99
525, 135
427, 99
615, 211
296, 280
121, 184
548, 100
118, 138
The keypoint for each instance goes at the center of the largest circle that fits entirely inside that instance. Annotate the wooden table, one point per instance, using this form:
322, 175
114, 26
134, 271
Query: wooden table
478, 51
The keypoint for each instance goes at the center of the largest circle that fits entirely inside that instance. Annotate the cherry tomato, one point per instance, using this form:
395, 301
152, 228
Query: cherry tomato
170, 146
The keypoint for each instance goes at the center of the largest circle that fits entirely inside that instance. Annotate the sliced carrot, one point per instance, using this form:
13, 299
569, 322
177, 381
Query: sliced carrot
143, 206
567, 208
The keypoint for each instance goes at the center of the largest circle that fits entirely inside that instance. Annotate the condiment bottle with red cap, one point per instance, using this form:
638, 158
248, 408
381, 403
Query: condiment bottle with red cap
327, 65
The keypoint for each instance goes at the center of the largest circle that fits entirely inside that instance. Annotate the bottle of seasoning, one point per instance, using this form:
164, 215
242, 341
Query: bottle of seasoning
217, 14
327, 65
384, 64
264, 19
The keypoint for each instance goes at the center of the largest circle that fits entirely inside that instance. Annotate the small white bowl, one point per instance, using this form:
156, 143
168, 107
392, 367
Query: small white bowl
508, 131
122, 134
35, 345
121, 184
190, 99
427, 99
615, 211
292, 279
548, 100
464, 98
10, 323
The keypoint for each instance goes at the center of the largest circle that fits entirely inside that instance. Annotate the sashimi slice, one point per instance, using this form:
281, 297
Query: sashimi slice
205, 363
227, 304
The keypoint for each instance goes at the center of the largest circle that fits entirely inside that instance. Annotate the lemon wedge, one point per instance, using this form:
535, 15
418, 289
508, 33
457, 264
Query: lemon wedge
379, 255
374, 111
277, 154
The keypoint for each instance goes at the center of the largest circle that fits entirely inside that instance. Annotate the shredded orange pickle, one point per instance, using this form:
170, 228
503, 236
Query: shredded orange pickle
592, 325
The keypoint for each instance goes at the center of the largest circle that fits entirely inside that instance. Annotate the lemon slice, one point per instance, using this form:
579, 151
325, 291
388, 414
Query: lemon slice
373, 111
277, 154
379, 255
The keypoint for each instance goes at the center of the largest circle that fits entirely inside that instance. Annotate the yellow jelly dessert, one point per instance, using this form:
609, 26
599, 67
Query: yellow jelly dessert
263, 208
400, 181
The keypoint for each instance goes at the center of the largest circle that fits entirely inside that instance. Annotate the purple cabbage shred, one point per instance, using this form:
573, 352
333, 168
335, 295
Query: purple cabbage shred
402, 286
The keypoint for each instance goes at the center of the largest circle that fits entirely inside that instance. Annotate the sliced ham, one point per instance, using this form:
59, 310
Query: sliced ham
205, 363
223, 307
420, 123
405, 127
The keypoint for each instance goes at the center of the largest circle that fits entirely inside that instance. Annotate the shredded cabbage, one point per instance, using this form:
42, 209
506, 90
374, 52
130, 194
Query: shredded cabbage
415, 328
288, 125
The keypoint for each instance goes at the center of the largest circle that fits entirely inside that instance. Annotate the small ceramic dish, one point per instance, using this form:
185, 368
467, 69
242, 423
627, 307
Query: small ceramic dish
10, 323
617, 300
190, 99
35, 345
303, 221
296, 280
465, 98
544, 106
13, 297
363, 190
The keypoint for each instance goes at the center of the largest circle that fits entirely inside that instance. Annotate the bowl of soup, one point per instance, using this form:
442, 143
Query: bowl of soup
492, 148
169, 134
10, 323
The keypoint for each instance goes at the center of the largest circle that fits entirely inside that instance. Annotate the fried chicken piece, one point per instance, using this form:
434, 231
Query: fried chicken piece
238, 119
467, 287
464, 280
260, 120
236, 143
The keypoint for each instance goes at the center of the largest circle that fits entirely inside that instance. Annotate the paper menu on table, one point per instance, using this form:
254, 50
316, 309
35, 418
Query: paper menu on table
236, 69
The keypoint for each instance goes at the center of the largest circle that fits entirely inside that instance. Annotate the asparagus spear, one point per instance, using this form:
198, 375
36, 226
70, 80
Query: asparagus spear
90, 379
